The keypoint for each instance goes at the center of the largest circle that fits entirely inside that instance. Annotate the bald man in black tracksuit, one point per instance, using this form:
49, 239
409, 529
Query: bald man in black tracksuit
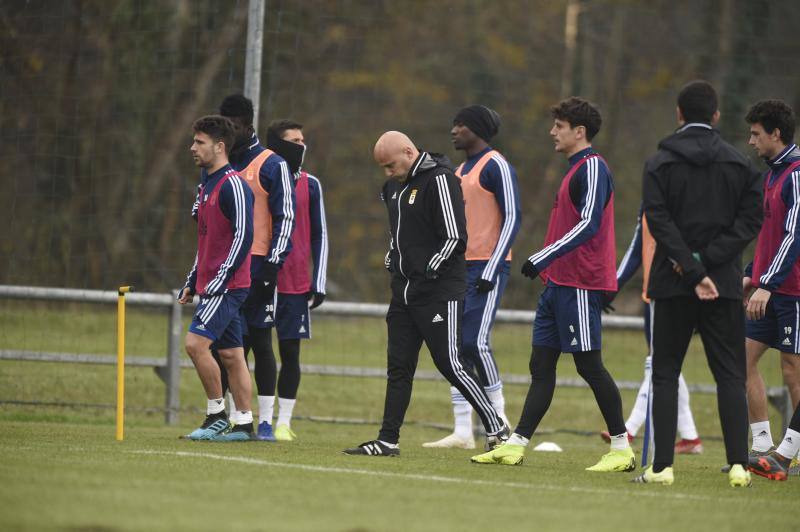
426, 259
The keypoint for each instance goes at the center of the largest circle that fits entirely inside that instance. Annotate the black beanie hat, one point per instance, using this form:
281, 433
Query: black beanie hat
481, 120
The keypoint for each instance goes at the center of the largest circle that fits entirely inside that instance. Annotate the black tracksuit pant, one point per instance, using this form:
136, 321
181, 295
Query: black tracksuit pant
721, 327
439, 326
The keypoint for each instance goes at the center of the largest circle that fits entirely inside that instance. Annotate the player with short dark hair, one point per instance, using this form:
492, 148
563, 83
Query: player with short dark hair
221, 277
578, 112
491, 196
298, 293
773, 307
772, 115
577, 265
268, 176
702, 201
278, 128
698, 102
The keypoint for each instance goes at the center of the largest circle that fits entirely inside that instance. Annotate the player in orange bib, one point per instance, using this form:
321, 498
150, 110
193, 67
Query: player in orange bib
491, 202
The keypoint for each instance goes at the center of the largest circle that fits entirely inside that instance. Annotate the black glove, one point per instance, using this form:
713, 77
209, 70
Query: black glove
268, 273
262, 291
317, 297
608, 298
483, 286
264, 283
529, 270
430, 273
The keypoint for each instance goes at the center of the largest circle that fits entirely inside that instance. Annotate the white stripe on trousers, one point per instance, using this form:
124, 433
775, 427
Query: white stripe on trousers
458, 370
487, 359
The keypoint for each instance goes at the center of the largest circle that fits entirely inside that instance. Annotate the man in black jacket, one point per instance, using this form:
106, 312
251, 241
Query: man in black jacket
702, 199
426, 260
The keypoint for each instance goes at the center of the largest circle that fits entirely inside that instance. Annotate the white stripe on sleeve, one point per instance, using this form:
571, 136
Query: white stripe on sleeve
510, 218
451, 227
238, 237
791, 228
287, 223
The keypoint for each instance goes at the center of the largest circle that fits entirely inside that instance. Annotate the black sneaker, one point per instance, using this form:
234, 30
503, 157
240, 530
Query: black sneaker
213, 425
751, 454
374, 448
497, 439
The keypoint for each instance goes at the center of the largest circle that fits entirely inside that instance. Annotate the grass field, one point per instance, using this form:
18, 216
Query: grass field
62, 469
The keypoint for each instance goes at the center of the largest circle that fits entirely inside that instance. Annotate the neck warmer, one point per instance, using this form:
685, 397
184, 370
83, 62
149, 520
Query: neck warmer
292, 153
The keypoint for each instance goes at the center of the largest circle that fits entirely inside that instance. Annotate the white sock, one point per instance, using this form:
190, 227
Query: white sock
231, 402
215, 406
242, 417
285, 407
498, 401
639, 412
762, 437
390, 445
462, 413
790, 444
619, 442
686, 426
266, 404
516, 439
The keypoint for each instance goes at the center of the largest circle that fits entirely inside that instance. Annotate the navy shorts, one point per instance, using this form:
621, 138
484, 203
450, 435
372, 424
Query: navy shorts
780, 326
568, 319
219, 319
292, 319
257, 313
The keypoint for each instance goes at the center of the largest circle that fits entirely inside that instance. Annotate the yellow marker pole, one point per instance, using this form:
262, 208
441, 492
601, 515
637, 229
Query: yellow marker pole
121, 359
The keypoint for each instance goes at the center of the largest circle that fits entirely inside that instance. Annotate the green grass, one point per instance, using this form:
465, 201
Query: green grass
62, 468
76, 477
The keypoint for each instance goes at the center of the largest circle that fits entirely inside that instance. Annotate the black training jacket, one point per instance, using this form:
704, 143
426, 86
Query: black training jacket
702, 199
428, 233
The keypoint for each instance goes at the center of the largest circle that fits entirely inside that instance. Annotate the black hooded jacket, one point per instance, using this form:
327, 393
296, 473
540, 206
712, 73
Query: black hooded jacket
428, 233
703, 200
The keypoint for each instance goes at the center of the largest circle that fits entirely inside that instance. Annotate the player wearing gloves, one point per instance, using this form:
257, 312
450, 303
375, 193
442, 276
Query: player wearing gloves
491, 197
577, 267
298, 292
268, 176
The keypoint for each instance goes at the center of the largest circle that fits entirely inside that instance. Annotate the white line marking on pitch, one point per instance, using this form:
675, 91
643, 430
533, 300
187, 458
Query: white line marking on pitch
659, 492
